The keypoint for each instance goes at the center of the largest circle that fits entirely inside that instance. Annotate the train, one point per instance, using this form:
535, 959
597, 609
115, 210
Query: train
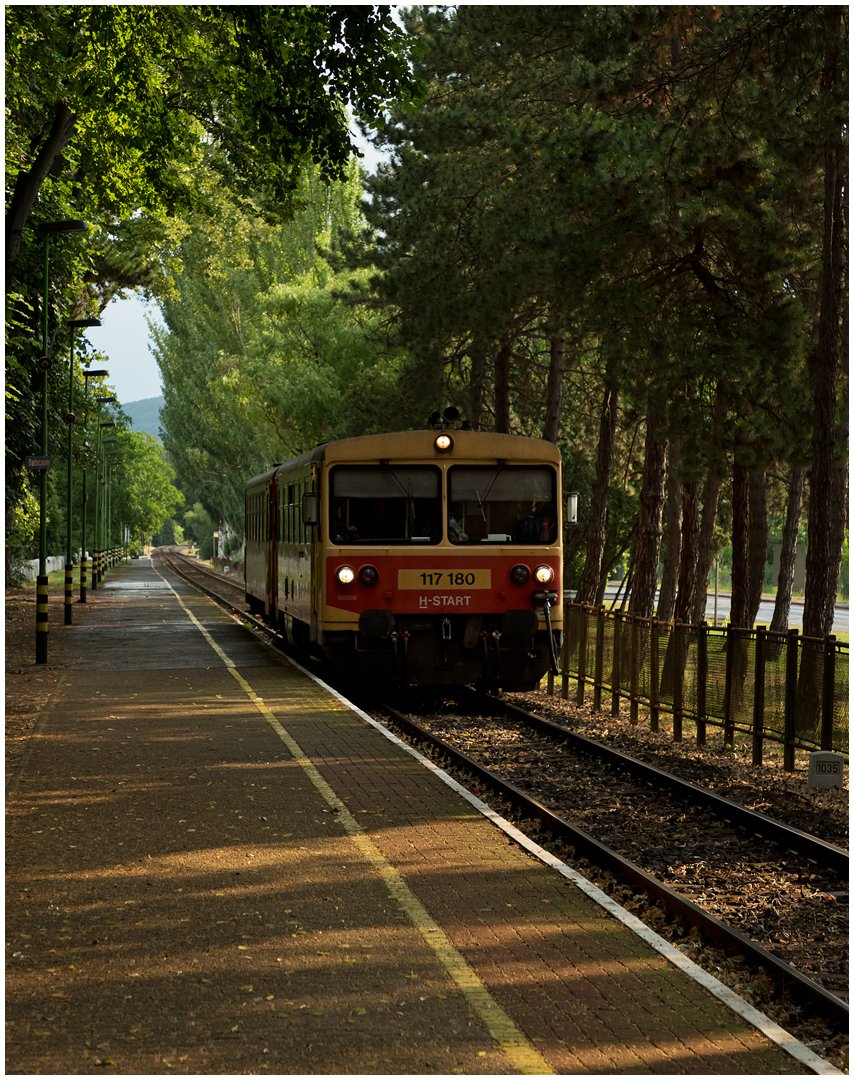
413, 558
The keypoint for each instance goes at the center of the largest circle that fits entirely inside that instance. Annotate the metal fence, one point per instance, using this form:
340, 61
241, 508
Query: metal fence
780, 688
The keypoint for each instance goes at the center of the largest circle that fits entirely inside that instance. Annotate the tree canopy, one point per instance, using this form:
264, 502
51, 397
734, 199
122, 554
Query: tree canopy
121, 116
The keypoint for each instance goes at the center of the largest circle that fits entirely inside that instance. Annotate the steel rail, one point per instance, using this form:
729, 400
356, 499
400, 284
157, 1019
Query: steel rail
257, 624
813, 848
832, 1008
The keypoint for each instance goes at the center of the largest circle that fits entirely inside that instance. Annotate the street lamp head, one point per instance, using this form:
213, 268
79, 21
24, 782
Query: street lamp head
82, 323
107, 423
104, 400
65, 225
95, 374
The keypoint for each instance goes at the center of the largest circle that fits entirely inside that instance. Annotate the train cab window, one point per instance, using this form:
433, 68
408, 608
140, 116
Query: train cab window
385, 504
514, 504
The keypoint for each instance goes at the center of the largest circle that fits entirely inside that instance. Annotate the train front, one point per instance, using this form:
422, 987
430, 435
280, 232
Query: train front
440, 558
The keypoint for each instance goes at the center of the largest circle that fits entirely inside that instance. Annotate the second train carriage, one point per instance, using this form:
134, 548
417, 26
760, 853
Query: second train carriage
416, 557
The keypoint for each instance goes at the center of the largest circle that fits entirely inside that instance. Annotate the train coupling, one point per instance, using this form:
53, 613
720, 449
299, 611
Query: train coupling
545, 596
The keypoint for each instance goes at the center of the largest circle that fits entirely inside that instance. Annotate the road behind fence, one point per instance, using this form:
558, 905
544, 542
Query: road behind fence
780, 688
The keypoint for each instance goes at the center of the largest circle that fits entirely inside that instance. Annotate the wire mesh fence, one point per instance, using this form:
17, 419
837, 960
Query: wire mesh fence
781, 688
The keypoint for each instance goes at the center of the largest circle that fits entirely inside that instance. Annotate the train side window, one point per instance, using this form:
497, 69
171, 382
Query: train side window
502, 505
385, 504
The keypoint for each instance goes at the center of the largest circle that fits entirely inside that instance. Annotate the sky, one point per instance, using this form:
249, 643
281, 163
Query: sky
124, 339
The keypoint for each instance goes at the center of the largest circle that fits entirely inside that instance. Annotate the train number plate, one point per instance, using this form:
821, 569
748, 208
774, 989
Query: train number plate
444, 579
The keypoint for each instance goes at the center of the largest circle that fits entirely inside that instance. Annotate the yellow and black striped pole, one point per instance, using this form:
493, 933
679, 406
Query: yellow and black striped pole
84, 569
41, 619
69, 593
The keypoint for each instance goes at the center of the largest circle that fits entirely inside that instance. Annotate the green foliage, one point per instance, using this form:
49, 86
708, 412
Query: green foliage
133, 118
22, 538
261, 357
648, 179
170, 533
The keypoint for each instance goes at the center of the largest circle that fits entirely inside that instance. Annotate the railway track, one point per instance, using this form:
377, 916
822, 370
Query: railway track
725, 850
815, 871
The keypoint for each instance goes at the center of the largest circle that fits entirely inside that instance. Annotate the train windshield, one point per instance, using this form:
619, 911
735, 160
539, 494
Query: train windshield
385, 504
513, 504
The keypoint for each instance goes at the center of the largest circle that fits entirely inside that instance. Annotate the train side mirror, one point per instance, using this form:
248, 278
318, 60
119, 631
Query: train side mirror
571, 516
311, 508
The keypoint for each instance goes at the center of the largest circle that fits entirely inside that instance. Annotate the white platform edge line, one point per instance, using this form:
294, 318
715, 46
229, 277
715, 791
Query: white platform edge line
772, 1031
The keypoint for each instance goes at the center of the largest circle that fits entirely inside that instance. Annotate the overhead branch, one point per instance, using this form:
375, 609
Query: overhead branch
28, 184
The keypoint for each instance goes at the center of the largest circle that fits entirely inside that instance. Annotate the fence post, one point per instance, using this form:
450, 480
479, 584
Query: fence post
599, 660
654, 675
730, 649
633, 717
582, 657
678, 629
759, 695
827, 692
617, 676
792, 647
702, 679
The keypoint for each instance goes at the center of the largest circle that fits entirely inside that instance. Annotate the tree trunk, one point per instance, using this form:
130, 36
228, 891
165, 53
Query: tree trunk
648, 547
554, 388
788, 553
740, 518
688, 561
589, 585
757, 544
673, 533
476, 384
29, 184
502, 388
824, 536
706, 542
673, 668
711, 496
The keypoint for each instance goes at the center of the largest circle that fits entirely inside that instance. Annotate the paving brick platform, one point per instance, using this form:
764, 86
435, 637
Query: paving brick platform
215, 869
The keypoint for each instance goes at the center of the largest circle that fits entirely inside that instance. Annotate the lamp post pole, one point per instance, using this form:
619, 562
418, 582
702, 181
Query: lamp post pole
108, 500
69, 419
84, 563
97, 567
109, 519
42, 628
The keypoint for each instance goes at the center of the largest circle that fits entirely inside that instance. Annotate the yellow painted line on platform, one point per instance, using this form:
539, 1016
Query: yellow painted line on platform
511, 1040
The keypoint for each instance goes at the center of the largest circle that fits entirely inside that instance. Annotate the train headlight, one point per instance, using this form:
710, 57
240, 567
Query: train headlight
345, 575
520, 575
444, 443
369, 575
543, 574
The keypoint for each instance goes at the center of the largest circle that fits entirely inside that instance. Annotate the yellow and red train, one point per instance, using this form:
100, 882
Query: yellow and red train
415, 557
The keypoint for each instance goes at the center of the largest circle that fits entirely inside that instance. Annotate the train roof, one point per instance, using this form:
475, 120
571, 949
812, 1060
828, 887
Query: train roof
406, 445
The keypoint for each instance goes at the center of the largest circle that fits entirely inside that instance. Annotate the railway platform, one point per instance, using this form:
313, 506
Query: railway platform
216, 866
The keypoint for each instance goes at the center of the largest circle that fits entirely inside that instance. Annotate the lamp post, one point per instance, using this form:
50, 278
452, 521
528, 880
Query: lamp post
109, 491
69, 419
84, 563
108, 499
100, 504
47, 229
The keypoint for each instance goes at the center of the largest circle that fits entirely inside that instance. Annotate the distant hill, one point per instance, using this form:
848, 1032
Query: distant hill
145, 414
